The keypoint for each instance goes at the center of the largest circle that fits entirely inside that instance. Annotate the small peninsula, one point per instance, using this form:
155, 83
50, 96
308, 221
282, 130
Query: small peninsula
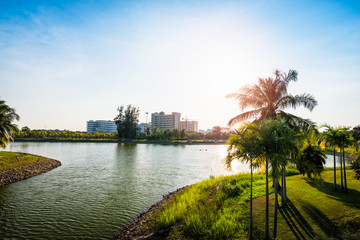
19, 166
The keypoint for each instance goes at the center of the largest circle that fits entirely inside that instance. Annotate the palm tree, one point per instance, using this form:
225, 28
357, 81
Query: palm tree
7, 128
244, 145
345, 140
269, 97
277, 140
312, 161
330, 136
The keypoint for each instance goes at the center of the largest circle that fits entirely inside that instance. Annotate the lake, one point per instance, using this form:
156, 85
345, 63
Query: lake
100, 187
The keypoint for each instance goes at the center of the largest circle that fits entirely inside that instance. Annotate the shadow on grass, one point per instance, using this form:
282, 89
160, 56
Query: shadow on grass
319, 218
351, 197
296, 222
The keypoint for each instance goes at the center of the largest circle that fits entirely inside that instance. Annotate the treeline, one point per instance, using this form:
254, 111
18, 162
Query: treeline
26, 133
218, 133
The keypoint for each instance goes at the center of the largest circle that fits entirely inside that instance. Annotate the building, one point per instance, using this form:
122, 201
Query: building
164, 121
143, 126
189, 125
105, 126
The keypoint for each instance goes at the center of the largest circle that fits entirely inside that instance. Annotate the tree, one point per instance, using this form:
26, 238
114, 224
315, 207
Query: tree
345, 140
269, 97
330, 137
355, 132
355, 165
127, 122
7, 128
311, 161
244, 146
277, 140
216, 130
25, 129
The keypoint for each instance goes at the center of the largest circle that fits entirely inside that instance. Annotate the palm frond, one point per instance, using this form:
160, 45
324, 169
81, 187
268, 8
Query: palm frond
306, 100
245, 116
295, 121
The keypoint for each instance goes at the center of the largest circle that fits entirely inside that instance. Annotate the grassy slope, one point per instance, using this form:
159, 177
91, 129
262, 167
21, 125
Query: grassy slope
217, 209
19, 166
315, 209
10, 160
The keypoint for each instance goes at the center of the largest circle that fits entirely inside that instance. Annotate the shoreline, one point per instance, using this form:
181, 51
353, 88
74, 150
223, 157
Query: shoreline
42, 165
134, 229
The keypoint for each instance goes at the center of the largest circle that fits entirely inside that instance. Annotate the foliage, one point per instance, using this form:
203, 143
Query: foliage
127, 122
7, 127
269, 97
11, 160
355, 165
244, 145
311, 161
355, 132
212, 209
25, 129
64, 134
291, 171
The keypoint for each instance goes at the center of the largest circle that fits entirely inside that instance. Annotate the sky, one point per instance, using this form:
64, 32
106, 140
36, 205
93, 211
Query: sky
63, 63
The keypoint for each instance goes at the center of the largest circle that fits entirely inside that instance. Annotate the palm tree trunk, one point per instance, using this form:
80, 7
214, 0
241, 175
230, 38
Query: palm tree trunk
341, 170
267, 201
251, 188
285, 193
334, 171
275, 208
344, 170
282, 188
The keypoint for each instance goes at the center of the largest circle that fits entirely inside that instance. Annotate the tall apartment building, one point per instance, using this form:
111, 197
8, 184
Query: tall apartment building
105, 126
165, 121
189, 125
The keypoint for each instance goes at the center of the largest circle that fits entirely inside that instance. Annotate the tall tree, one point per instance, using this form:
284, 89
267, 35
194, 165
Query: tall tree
345, 140
277, 140
269, 97
127, 122
7, 127
244, 146
311, 161
330, 137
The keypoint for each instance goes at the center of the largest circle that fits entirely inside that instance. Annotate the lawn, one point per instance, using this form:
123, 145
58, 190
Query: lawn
10, 160
217, 208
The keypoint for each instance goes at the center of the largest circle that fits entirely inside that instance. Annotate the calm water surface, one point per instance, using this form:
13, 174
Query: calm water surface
99, 187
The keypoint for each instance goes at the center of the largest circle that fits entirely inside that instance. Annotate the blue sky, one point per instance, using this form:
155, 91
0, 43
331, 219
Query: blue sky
65, 62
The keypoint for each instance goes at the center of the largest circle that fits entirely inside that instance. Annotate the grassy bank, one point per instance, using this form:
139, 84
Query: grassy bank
217, 208
19, 166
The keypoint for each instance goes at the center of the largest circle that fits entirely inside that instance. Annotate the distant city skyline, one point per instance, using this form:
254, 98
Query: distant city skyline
63, 63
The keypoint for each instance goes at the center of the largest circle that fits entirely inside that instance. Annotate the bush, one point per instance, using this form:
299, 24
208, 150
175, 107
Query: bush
355, 165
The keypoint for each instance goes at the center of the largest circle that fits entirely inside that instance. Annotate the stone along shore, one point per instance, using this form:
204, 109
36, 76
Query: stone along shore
21, 168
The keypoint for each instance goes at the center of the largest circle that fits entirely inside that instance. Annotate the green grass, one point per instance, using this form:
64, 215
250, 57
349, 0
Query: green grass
217, 208
212, 209
10, 160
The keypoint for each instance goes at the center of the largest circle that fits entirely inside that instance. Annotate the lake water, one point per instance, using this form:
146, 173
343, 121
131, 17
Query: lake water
100, 186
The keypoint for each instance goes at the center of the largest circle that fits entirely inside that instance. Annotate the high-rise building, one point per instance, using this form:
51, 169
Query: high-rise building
105, 126
189, 125
165, 121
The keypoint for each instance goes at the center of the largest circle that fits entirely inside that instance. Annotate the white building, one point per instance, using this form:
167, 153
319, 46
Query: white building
189, 125
105, 126
143, 126
165, 121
